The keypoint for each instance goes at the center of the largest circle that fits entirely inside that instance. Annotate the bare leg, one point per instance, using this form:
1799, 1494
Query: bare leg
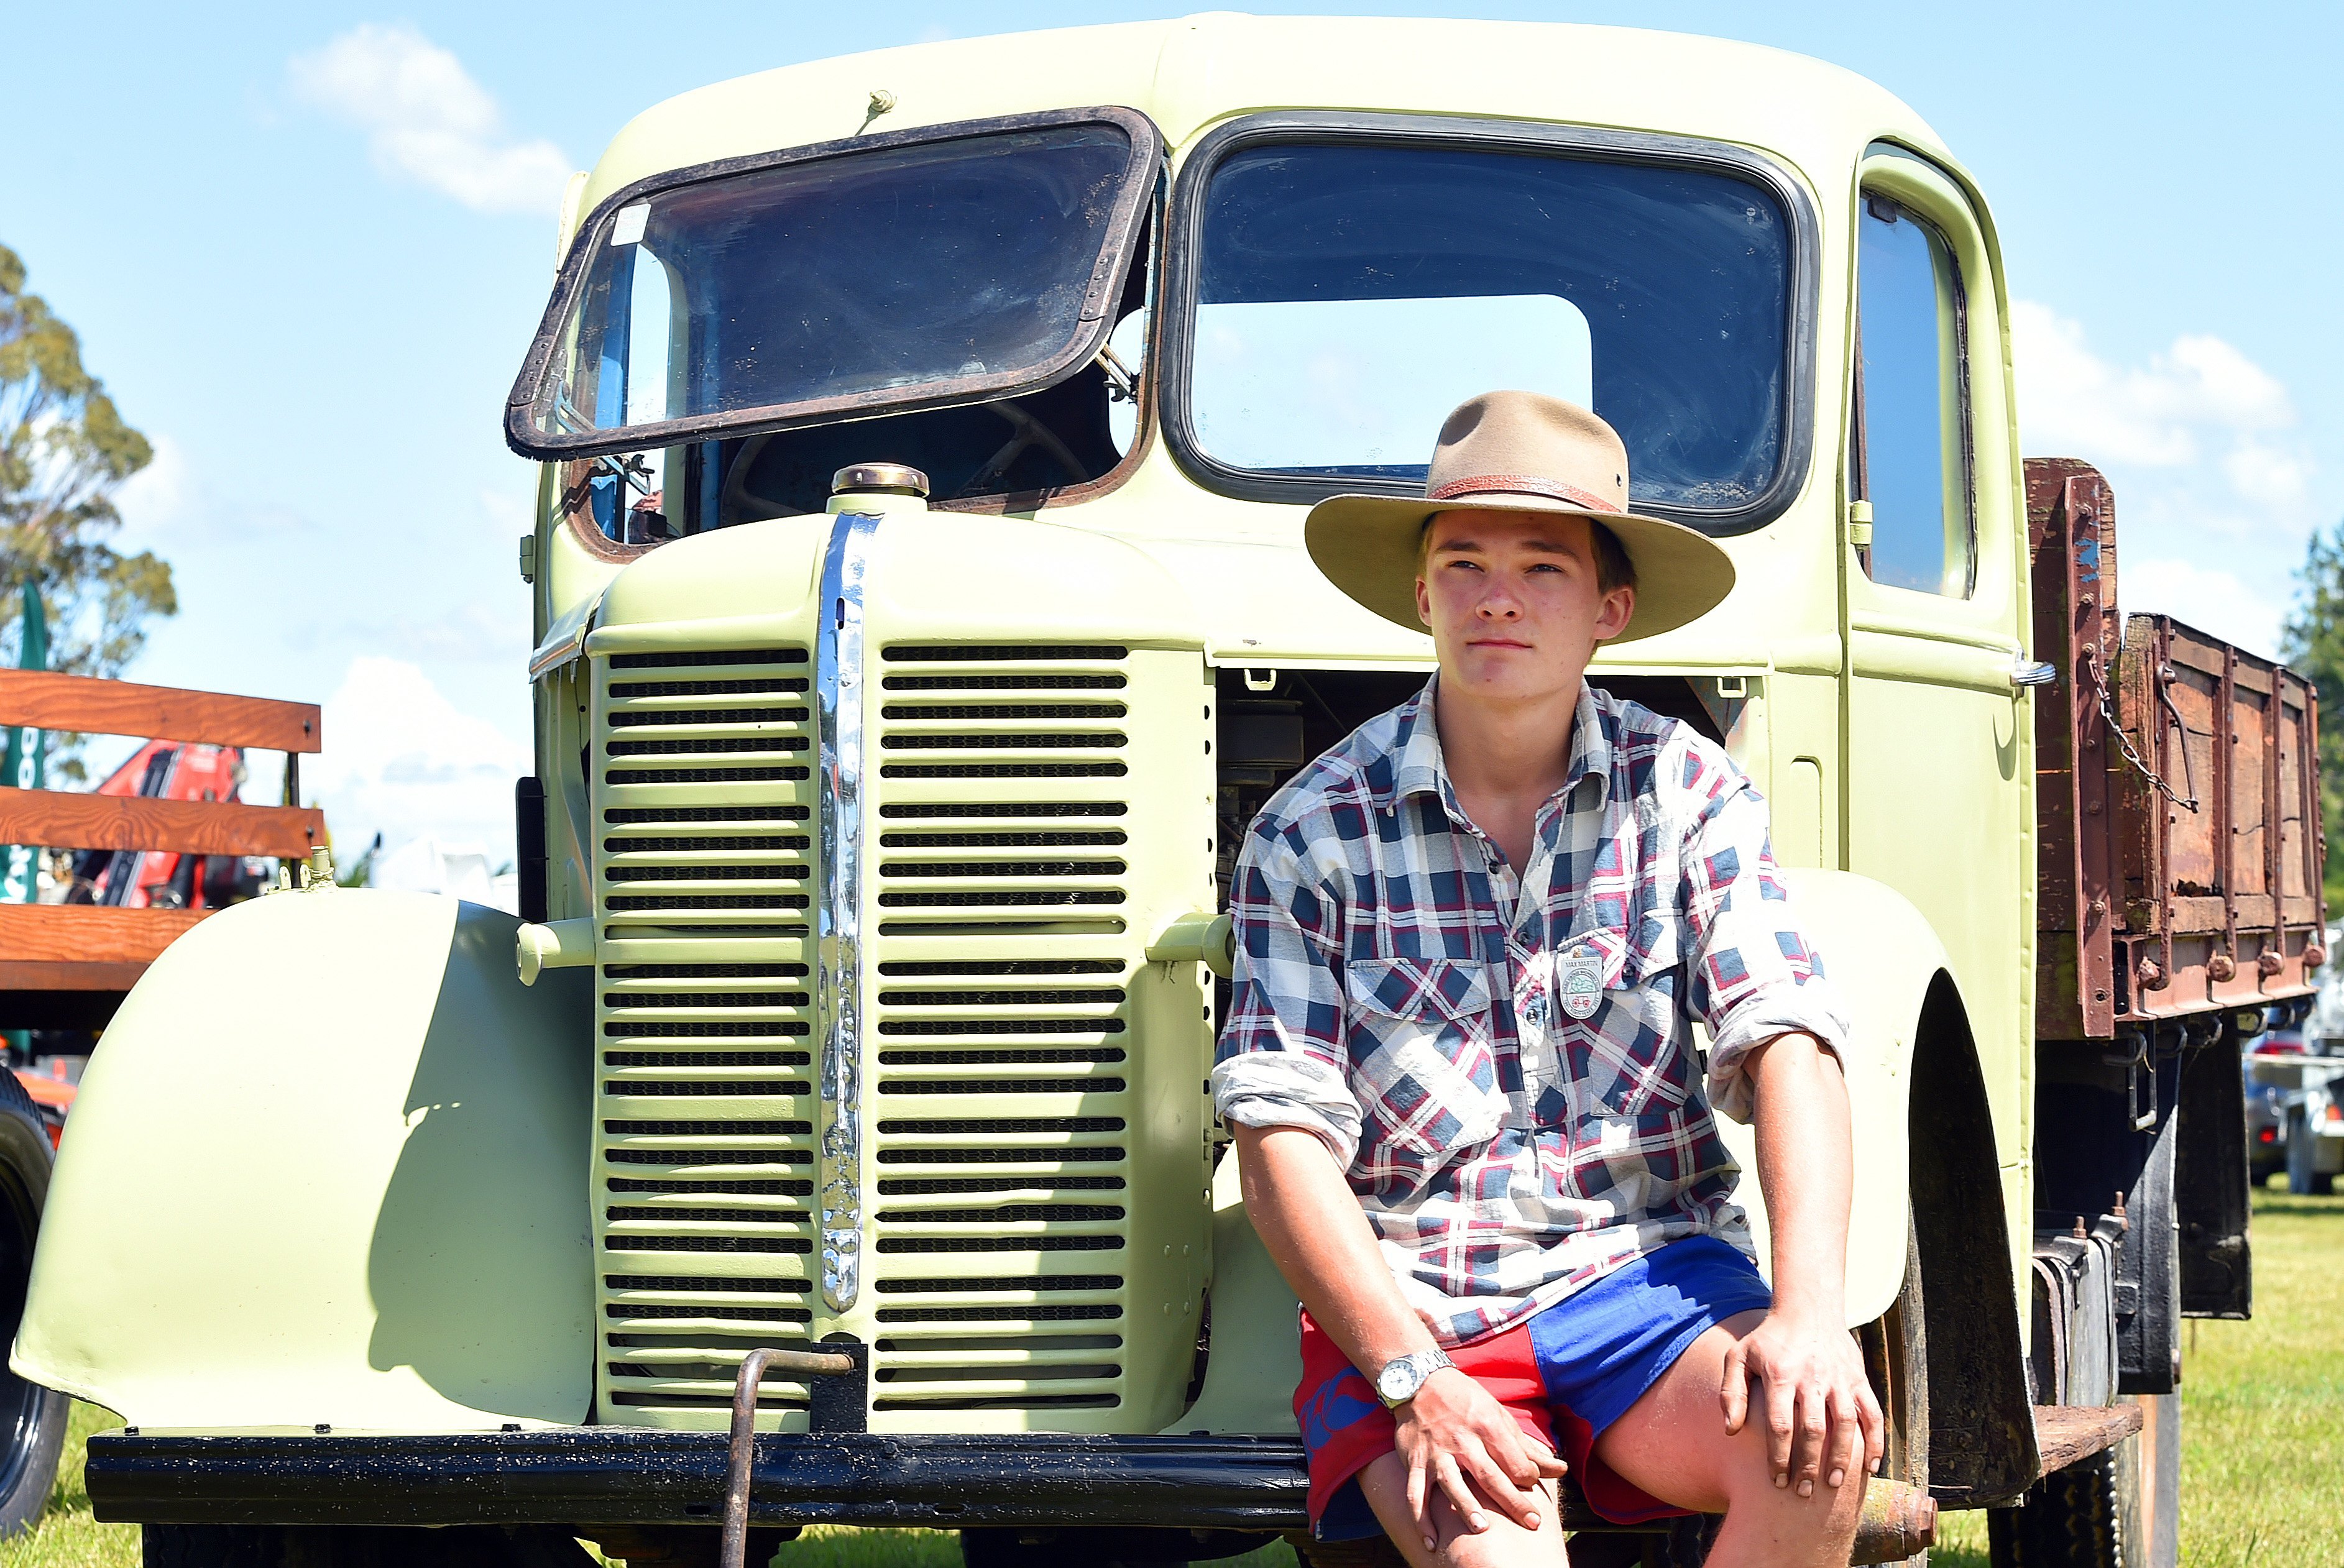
1504, 1544
1673, 1444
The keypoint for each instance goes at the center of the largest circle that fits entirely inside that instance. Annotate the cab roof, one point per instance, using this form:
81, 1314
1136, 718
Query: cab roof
1189, 74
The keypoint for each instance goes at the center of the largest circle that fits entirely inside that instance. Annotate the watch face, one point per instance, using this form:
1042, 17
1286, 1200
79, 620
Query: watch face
1399, 1380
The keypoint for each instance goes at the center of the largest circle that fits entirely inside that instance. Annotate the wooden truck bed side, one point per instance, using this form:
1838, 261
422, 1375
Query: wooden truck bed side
2180, 849
68, 965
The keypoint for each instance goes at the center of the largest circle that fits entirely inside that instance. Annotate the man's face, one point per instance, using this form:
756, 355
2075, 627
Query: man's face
1512, 600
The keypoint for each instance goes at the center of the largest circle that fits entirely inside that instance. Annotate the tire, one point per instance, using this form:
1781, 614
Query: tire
2303, 1178
2118, 1509
358, 1546
32, 1418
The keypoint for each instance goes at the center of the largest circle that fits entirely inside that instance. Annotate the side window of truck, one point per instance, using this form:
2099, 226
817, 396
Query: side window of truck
1910, 456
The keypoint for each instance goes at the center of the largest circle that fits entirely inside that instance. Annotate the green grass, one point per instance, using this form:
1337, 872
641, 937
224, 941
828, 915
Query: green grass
2262, 1402
2262, 1432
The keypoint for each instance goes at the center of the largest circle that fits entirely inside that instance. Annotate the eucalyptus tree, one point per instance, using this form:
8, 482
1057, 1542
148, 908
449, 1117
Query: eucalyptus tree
64, 450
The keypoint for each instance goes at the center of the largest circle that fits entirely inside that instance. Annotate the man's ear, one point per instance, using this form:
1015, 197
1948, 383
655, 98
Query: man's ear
1424, 603
1611, 617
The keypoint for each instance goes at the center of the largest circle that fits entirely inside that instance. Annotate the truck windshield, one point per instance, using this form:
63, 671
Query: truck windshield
981, 265
1350, 295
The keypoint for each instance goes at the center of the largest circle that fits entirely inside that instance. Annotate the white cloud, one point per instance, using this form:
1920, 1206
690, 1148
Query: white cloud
2200, 392
2268, 475
401, 760
2201, 446
427, 119
2206, 597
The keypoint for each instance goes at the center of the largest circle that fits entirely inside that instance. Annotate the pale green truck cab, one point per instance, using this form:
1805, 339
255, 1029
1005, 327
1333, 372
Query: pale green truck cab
922, 615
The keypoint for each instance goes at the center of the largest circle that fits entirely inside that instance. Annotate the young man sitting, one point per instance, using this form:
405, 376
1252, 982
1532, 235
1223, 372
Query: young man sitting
1473, 1127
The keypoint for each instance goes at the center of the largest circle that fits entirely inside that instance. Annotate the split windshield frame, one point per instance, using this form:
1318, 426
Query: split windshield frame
1126, 220
1184, 257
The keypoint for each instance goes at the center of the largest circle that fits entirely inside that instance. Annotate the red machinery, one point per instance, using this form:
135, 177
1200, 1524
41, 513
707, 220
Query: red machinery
164, 878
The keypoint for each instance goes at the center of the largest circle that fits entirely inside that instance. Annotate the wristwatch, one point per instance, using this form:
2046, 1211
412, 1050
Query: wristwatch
1403, 1376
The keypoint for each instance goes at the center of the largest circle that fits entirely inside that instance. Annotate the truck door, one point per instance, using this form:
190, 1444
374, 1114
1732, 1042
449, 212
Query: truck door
1939, 797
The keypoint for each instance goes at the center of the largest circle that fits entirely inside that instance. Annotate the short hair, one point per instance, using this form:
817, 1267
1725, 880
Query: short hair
1613, 569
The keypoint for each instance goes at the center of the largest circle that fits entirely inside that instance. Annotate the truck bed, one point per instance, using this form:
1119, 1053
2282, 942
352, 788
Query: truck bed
2178, 849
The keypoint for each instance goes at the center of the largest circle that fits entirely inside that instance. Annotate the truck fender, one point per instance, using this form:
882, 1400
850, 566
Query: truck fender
328, 1168
1255, 1358
1881, 956
1924, 1159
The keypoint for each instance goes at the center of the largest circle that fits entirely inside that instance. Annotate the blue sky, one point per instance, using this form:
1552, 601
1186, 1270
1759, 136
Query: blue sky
305, 246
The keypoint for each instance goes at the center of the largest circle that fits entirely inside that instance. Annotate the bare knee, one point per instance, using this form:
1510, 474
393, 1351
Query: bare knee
1503, 1544
1771, 1524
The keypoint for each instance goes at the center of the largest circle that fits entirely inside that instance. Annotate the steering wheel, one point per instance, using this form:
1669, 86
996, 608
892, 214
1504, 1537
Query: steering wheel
1029, 433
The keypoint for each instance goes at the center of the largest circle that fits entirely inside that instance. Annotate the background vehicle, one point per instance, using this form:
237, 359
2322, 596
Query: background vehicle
2292, 1070
2295, 1120
921, 624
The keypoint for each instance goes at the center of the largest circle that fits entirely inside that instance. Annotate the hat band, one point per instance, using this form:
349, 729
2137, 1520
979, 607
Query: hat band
1519, 484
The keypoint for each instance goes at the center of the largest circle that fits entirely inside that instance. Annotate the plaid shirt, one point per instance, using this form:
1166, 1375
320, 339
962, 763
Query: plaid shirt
1506, 1068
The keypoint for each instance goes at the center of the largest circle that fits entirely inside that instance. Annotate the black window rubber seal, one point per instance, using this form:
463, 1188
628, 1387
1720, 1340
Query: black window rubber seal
1126, 219
1337, 129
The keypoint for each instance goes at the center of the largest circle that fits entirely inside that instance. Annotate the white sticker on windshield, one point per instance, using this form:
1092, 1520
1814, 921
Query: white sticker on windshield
627, 229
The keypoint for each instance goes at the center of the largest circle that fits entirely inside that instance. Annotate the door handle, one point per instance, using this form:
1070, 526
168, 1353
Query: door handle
2025, 673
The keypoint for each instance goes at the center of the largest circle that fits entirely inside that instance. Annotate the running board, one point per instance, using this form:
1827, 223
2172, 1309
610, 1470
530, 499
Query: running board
2069, 1433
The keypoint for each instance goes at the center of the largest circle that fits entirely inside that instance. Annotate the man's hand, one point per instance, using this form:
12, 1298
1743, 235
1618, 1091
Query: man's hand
1455, 1437
1818, 1406
1457, 1441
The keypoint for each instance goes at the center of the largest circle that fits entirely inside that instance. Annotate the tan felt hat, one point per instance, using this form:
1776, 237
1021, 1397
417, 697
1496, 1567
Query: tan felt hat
1517, 451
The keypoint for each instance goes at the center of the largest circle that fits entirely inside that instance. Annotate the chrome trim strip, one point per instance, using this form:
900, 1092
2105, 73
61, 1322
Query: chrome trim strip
565, 639
838, 917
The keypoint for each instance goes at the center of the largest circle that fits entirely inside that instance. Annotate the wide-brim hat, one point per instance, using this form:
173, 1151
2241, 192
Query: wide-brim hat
1517, 451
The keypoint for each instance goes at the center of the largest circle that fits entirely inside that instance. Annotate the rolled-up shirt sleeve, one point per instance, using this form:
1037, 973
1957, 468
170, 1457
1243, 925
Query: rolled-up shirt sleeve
1281, 1060
1753, 973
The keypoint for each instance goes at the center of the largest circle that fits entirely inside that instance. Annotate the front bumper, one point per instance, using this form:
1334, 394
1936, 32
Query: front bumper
615, 1476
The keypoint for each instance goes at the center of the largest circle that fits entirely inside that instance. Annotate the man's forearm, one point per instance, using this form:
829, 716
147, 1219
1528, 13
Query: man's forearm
1308, 1217
1807, 1169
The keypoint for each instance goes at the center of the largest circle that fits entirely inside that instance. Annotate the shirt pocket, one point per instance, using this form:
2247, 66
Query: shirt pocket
1421, 1050
1626, 1056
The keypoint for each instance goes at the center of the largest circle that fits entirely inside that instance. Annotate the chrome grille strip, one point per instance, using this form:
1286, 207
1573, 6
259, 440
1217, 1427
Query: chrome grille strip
838, 964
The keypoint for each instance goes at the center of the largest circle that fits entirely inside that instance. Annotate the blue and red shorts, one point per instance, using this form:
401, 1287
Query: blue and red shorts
1565, 1375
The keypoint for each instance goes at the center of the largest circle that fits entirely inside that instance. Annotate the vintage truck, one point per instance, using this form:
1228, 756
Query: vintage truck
923, 614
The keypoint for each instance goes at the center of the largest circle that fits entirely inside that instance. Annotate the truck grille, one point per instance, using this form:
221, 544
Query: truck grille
1000, 1084
704, 1124
1012, 1274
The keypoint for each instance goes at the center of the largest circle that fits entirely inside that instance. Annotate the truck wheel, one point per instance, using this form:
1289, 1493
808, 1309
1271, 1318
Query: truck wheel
2119, 1509
2303, 1178
360, 1546
32, 1418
